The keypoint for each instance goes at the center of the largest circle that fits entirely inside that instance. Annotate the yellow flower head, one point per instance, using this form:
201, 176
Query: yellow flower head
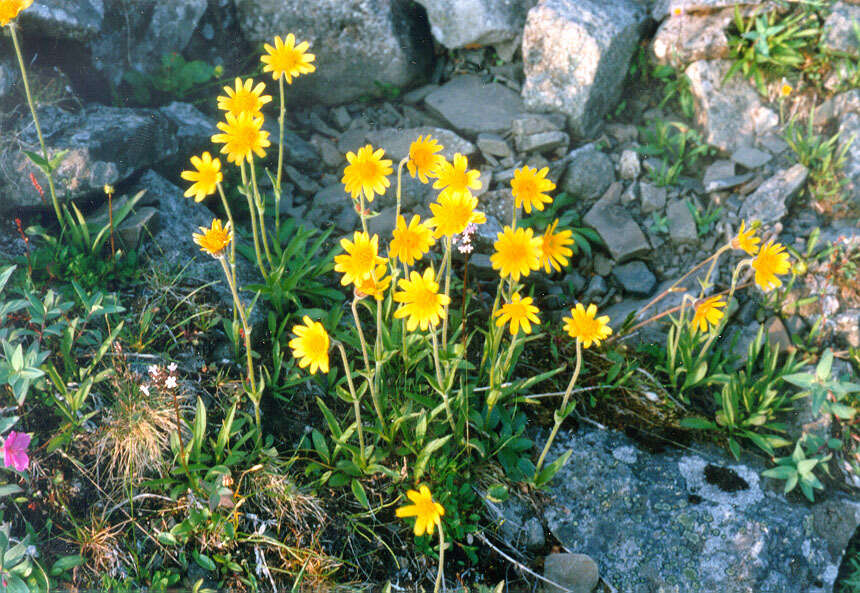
583, 326
708, 313
410, 243
771, 260
373, 285
311, 345
677, 11
206, 177
9, 9
528, 186
361, 257
554, 249
109, 190
214, 239
519, 312
746, 240
366, 173
422, 303
427, 513
785, 89
456, 179
287, 59
245, 98
242, 137
423, 160
517, 253
453, 213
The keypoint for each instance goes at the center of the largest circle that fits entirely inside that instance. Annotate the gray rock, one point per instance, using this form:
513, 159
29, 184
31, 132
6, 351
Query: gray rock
777, 334
383, 223
573, 573
849, 131
838, 31
846, 327
543, 142
396, 142
130, 231
628, 166
106, 145
720, 169
494, 145
575, 56
682, 227
652, 197
630, 194
357, 43
304, 183
731, 113
190, 127
10, 76
635, 278
331, 156
683, 521
458, 23
837, 106
602, 265
616, 227
574, 281
137, 33
727, 182
472, 106
751, 158
596, 288
687, 38
78, 20
498, 203
534, 123
836, 520
663, 8
352, 140
533, 534
768, 203
589, 172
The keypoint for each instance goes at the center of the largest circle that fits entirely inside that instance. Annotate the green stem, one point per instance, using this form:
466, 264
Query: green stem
261, 210
447, 292
245, 328
558, 417
439, 379
229, 212
399, 173
440, 572
252, 209
27, 92
278, 177
355, 401
362, 213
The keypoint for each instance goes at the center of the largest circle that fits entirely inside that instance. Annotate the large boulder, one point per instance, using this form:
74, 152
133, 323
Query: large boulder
105, 145
78, 20
137, 33
473, 107
838, 34
769, 202
689, 521
730, 112
359, 44
663, 8
575, 57
687, 38
458, 23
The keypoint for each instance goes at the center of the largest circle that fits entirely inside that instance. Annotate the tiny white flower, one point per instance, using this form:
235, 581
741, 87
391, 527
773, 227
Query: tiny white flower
170, 383
152, 369
172, 367
144, 389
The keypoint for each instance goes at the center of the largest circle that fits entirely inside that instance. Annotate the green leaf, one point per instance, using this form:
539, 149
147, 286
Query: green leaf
66, 563
547, 473
15, 584
9, 490
822, 371
780, 472
204, 561
198, 431
697, 424
360, 494
166, 538
805, 466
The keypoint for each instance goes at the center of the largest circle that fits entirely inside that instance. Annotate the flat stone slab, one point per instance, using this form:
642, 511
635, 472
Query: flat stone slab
623, 237
472, 106
396, 141
687, 521
751, 158
768, 203
682, 227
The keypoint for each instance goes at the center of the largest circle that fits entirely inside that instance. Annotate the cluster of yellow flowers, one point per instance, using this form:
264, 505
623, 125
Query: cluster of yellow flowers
9, 9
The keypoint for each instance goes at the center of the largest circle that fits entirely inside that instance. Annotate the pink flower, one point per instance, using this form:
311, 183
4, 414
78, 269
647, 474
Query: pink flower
15, 450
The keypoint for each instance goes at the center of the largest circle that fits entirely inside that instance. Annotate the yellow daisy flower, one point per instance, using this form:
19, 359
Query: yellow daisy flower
453, 213
785, 89
373, 285
214, 239
423, 160
361, 257
746, 240
366, 173
245, 98
554, 249
287, 59
517, 253
519, 312
427, 513
410, 243
422, 303
206, 177
771, 260
583, 326
242, 137
528, 187
9, 9
708, 312
456, 180
311, 345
